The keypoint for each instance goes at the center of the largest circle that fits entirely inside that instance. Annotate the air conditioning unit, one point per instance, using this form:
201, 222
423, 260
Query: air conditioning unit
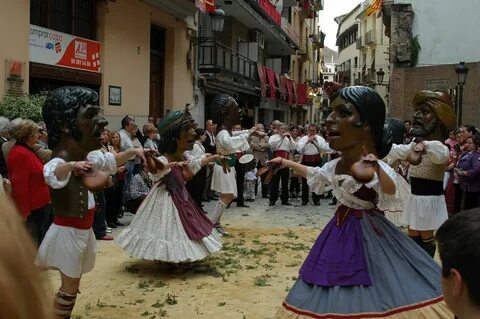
257, 36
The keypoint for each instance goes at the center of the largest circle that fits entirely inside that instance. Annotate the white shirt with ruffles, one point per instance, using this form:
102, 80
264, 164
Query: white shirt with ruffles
344, 186
104, 162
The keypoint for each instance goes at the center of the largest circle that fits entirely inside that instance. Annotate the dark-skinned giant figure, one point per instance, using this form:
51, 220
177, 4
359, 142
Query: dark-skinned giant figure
77, 168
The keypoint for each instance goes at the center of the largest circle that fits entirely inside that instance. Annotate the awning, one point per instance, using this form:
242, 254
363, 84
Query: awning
271, 82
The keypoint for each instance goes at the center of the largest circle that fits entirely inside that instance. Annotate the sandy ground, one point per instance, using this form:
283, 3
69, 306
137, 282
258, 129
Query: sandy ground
248, 279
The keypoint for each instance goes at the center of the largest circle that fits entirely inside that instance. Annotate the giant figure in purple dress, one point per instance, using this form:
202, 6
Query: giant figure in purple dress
361, 265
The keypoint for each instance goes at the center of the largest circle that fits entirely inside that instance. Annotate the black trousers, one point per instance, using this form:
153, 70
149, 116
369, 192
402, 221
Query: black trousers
113, 201
264, 186
283, 175
196, 186
37, 224
305, 188
99, 221
240, 174
294, 184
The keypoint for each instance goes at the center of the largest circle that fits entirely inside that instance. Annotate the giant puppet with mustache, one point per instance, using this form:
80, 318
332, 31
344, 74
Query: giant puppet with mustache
425, 209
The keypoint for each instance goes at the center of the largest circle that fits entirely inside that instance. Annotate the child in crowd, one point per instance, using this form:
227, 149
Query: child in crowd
250, 180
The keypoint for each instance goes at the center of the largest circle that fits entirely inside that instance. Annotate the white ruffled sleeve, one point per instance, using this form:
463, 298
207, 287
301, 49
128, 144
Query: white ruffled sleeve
399, 151
195, 162
437, 152
104, 162
391, 202
49, 174
160, 173
319, 177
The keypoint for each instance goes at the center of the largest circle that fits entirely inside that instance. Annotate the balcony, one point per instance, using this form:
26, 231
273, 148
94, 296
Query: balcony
359, 43
288, 29
318, 40
259, 15
370, 37
179, 9
216, 58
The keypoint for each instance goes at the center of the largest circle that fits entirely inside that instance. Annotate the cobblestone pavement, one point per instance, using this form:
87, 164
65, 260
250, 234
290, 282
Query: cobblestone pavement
260, 215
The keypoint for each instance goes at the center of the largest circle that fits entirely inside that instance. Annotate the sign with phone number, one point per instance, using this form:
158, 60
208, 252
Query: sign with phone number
62, 49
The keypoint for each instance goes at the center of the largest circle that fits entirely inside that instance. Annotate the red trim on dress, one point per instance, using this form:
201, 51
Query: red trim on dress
366, 314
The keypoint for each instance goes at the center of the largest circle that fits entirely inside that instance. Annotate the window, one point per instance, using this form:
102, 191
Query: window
77, 17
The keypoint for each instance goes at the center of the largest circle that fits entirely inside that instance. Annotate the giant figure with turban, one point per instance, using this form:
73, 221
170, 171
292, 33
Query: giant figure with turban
425, 209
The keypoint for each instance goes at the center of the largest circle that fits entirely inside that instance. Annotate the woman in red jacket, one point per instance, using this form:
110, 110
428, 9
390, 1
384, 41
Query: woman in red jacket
29, 190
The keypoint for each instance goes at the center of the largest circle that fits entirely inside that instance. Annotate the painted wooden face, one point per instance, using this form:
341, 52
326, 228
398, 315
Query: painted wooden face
425, 121
186, 140
344, 128
91, 125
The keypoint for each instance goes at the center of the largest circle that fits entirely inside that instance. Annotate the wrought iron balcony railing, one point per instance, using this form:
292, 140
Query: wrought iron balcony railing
215, 57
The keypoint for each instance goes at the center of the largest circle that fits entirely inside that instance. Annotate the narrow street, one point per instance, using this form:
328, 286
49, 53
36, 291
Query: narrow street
248, 279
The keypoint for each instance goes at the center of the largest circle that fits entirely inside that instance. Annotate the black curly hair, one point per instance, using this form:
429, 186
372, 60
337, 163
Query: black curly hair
220, 110
60, 110
372, 110
168, 140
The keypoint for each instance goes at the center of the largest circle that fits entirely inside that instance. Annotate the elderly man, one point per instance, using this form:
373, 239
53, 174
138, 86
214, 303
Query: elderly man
281, 145
210, 147
311, 147
425, 209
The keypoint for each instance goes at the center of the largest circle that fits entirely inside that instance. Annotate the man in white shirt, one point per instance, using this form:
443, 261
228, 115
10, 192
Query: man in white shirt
126, 143
240, 172
310, 147
282, 145
210, 148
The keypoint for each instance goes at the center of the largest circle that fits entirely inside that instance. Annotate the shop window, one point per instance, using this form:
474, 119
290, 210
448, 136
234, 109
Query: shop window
77, 17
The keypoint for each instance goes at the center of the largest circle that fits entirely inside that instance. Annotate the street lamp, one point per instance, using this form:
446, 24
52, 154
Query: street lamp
461, 71
218, 19
380, 75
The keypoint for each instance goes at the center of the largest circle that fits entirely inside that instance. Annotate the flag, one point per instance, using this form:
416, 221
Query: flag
205, 5
374, 7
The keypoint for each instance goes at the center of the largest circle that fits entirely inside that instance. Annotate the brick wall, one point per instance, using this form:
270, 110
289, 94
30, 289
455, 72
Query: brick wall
405, 82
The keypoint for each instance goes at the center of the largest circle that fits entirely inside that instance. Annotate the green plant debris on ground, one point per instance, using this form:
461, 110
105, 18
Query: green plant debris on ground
261, 281
171, 299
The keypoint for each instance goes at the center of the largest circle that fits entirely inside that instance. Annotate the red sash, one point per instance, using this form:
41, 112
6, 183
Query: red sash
76, 222
311, 158
282, 154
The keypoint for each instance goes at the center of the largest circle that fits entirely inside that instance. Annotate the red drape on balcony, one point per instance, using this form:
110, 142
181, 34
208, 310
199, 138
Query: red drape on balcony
291, 94
295, 89
271, 11
283, 91
271, 82
263, 79
205, 5
302, 93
